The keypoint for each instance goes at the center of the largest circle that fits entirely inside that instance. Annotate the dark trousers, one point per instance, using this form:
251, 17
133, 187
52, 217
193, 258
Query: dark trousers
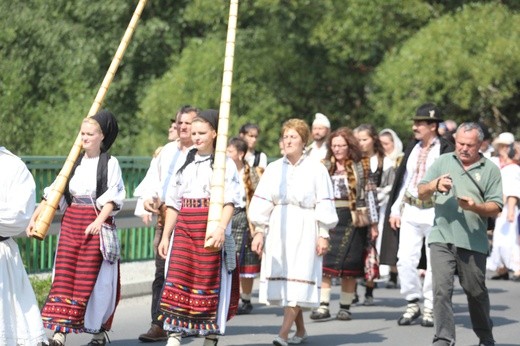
447, 261
158, 281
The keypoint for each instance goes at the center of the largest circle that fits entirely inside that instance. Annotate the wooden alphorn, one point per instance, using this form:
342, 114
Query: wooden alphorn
45, 217
219, 165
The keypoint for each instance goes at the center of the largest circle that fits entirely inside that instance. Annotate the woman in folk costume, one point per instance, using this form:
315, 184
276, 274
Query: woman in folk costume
393, 147
356, 207
86, 288
248, 260
505, 253
382, 175
20, 320
197, 295
292, 211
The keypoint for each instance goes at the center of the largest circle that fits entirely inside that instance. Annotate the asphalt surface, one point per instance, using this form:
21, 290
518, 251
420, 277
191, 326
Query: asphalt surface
371, 325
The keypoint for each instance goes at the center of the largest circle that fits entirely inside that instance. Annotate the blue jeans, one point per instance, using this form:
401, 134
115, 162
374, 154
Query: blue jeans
447, 261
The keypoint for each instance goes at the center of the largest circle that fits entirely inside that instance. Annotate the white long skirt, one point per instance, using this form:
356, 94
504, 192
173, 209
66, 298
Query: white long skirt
20, 319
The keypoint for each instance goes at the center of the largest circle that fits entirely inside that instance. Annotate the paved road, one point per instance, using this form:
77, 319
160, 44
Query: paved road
374, 325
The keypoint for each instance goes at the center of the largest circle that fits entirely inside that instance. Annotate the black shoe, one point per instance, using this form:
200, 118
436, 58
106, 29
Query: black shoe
427, 318
411, 314
320, 314
344, 315
504, 276
355, 300
245, 308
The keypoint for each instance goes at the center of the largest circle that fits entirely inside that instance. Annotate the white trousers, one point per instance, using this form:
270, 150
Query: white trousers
416, 225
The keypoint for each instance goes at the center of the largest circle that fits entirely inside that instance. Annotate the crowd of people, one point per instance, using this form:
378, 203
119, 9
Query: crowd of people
355, 207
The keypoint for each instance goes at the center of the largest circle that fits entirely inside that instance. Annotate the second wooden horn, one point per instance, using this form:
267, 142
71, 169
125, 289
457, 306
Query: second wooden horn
51, 204
219, 165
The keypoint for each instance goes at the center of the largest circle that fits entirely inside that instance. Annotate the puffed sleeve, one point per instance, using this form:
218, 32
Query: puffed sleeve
511, 179
325, 210
232, 189
62, 204
116, 192
174, 192
17, 199
262, 204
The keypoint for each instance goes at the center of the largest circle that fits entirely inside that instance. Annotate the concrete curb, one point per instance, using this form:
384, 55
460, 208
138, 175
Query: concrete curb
136, 278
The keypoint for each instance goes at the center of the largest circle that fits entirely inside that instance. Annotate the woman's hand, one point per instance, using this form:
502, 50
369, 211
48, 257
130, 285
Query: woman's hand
217, 237
374, 232
322, 247
162, 249
93, 228
257, 245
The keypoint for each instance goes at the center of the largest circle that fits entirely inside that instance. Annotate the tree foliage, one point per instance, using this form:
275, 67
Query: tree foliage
467, 62
354, 60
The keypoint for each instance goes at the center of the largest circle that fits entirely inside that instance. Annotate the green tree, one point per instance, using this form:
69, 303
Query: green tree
54, 55
467, 62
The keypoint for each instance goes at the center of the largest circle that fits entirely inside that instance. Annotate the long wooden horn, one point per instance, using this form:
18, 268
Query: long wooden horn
51, 204
219, 165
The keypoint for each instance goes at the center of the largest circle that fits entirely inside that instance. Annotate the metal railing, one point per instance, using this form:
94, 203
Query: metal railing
136, 240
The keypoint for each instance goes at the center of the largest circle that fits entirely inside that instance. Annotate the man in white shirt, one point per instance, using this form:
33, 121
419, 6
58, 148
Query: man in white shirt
409, 220
320, 133
151, 195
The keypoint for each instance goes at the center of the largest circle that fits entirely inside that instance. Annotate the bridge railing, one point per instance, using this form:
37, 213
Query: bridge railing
136, 239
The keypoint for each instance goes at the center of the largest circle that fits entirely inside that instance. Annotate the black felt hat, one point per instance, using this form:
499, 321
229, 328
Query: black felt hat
428, 112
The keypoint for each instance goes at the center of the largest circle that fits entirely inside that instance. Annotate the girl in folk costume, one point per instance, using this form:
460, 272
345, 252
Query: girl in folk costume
292, 210
20, 320
248, 260
357, 212
381, 176
197, 295
86, 287
249, 133
393, 147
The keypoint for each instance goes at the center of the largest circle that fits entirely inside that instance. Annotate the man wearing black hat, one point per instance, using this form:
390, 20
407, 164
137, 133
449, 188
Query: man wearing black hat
409, 220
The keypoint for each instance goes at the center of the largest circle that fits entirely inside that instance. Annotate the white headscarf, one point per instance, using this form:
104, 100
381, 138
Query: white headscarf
398, 144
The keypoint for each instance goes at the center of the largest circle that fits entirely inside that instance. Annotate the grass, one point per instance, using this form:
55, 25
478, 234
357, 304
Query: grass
41, 286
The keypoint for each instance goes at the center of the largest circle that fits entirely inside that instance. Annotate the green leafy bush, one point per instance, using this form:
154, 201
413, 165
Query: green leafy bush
41, 286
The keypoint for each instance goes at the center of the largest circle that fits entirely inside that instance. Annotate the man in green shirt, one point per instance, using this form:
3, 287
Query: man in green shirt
467, 189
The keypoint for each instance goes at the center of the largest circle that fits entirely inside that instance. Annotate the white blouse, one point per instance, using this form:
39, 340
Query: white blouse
195, 182
84, 183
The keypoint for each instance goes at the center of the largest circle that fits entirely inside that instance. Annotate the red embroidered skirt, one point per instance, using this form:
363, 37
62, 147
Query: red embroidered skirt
191, 293
76, 269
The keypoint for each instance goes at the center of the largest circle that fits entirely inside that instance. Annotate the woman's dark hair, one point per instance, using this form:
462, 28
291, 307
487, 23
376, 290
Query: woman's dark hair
371, 130
249, 126
240, 145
